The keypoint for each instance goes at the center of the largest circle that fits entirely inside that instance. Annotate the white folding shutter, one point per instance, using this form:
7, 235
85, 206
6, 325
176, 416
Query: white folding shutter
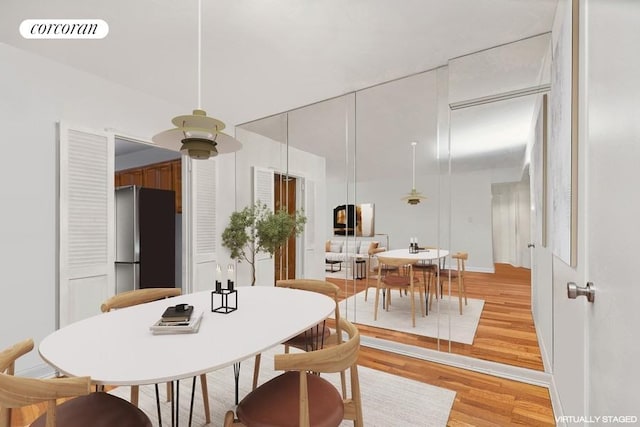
86, 222
263, 186
263, 192
203, 223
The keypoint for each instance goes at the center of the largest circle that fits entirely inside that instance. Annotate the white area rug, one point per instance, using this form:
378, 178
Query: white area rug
387, 400
444, 318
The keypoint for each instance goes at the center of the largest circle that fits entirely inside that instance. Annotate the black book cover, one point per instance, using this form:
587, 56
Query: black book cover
179, 313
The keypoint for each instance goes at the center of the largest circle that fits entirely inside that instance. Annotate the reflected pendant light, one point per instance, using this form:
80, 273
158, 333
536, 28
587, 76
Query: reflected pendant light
414, 197
197, 134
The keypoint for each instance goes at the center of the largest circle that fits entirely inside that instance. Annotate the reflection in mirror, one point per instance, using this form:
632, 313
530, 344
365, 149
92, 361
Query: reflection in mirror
490, 216
314, 143
361, 145
326, 129
365, 139
390, 118
354, 220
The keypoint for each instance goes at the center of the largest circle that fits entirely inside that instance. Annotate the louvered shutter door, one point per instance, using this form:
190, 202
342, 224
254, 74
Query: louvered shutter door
263, 192
86, 222
203, 230
263, 186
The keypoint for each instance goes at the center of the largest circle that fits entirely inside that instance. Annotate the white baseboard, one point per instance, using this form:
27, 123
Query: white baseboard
556, 404
515, 373
480, 269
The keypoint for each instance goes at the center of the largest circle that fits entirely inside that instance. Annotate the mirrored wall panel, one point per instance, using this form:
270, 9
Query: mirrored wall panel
419, 203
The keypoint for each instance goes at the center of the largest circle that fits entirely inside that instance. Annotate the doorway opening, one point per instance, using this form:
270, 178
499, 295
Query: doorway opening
288, 197
142, 165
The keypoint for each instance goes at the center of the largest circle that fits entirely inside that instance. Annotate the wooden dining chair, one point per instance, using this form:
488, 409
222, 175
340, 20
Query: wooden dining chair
403, 280
300, 397
319, 335
429, 273
372, 270
138, 296
456, 275
141, 296
81, 407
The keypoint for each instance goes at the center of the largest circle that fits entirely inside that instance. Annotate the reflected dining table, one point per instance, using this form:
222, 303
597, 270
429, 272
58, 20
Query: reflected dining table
421, 256
117, 348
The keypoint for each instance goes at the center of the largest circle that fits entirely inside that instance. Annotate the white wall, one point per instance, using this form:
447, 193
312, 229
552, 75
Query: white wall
510, 67
35, 94
470, 208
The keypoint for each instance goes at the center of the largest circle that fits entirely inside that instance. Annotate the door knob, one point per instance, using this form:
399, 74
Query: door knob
574, 291
531, 245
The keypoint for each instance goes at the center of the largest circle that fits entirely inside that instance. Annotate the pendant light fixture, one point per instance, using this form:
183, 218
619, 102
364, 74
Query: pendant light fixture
414, 197
197, 134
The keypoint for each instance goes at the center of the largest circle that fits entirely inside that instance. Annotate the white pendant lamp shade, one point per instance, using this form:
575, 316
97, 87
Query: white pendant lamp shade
197, 134
414, 197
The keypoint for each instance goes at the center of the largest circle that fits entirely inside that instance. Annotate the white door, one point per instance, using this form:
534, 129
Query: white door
569, 332
85, 223
613, 208
596, 350
263, 192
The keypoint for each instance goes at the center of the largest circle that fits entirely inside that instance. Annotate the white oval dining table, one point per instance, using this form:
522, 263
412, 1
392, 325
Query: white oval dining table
117, 348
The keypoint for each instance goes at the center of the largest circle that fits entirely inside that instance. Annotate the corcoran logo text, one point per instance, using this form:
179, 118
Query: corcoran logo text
64, 29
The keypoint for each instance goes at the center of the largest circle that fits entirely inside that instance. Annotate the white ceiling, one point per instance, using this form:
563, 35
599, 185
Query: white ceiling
262, 57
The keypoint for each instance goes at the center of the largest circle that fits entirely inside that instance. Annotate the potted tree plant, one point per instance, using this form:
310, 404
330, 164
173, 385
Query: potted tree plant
256, 229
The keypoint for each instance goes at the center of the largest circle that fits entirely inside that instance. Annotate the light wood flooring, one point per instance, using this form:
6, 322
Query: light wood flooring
505, 334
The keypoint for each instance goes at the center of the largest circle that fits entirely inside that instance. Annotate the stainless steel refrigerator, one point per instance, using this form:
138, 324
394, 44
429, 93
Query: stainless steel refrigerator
145, 238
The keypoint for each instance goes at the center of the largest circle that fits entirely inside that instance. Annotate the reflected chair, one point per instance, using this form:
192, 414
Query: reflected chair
403, 280
429, 272
319, 335
457, 275
141, 296
372, 269
299, 397
80, 409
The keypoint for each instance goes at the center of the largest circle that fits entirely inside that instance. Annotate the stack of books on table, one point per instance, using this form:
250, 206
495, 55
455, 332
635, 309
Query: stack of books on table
180, 319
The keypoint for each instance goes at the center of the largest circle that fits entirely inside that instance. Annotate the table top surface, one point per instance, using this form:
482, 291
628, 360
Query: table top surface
421, 255
118, 347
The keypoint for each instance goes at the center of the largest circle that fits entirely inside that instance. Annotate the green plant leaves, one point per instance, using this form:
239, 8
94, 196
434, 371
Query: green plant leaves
258, 229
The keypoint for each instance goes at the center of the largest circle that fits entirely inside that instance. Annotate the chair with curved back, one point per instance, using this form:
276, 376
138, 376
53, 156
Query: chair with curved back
319, 335
302, 398
450, 275
403, 280
81, 407
429, 272
141, 296
372, 269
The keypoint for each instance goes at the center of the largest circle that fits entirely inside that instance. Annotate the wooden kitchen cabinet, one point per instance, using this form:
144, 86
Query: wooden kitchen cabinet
163, 176
158, 176
129, 177
176, 184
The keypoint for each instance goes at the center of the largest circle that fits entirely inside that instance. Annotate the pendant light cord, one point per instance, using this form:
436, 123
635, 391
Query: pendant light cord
413, 145
199, 53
